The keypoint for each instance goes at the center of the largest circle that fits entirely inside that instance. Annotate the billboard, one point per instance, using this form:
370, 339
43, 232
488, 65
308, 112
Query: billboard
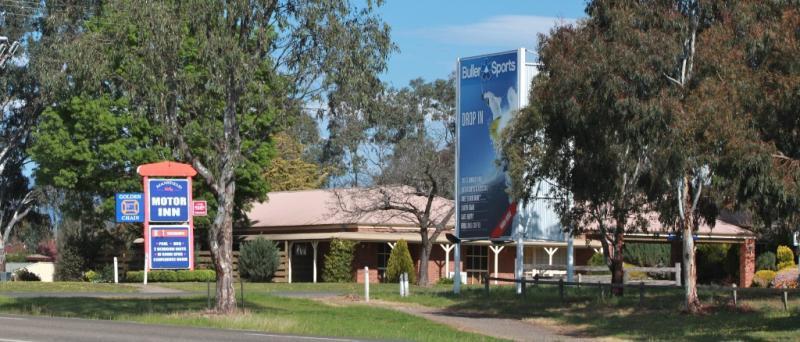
490, 91
170, 247
129, 207
169, 200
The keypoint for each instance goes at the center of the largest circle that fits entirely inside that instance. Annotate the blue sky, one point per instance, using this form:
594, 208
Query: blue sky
432, 34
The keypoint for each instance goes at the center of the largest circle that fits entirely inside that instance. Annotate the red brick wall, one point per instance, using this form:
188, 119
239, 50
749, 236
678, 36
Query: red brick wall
747, 262
366, 254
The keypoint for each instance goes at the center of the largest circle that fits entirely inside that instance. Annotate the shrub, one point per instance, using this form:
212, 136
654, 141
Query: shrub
107, 273
25, 275
763, 278
15, 257
258, 260
400, 262
92, 276
717, 262
597, 259
339, 262
766, 261
646, 254
165, 276
787, 279
785, 257
445, 281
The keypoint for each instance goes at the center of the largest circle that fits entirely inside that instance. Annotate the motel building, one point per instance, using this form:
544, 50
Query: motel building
304, 223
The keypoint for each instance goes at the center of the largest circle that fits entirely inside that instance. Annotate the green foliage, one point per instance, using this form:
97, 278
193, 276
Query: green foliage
445, 281
16, 257
766, 261
647, 254
92, 276
597, 259
717, 262
70, 262
785, 257
290, 171
23, 274
258, 259
339, 261
763, 278
400, 262
164, 276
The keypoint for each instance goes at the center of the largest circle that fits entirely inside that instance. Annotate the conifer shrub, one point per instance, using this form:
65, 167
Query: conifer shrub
258, 260
766, 261
785, 257
339, 262
400, 262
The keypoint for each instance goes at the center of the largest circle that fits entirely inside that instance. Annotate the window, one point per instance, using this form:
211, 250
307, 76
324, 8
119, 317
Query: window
476, 263
383, 259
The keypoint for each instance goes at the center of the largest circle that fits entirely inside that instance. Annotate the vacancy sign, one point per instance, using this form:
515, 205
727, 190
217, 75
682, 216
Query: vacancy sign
199, 208
168, 200
169, 247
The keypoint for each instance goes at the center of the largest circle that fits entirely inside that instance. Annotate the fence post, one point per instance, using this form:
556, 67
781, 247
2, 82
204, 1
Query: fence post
208, 294
561, 288
241, 286
486, 283
116, 276
366, 283
402, 286
785, 300
641, 294
734, 295
405, 284
579, 280
678, 274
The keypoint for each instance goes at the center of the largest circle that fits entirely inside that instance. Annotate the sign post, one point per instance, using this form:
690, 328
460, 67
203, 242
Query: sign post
169, 243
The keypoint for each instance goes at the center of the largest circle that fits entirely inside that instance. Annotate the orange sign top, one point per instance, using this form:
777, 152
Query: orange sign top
167, 169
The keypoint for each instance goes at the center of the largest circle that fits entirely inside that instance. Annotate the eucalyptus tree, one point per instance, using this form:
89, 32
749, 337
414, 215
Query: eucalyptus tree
595, 119
220, 77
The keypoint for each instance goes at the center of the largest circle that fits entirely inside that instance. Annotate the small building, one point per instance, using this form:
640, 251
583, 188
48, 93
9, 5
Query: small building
304, 222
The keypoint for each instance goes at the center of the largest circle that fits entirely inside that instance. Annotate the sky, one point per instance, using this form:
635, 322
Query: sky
432, 34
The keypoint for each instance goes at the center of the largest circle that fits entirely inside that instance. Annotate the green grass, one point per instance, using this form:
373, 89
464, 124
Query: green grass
33, 286
760, 315
264, 313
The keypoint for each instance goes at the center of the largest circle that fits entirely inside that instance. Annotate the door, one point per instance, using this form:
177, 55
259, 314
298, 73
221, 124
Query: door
302, 262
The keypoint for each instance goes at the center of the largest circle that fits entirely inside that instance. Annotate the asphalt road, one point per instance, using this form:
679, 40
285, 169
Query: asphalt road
16, 328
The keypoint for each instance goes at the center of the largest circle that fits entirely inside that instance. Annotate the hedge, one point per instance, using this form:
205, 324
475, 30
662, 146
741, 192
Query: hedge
167, 276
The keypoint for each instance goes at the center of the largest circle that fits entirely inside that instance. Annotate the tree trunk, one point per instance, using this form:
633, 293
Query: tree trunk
690, 269
617, 267
424, 255
221, 241
2, 256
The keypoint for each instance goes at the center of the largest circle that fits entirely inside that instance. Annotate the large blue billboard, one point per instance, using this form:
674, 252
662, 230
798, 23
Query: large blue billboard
169, 247
169, 200
488, 96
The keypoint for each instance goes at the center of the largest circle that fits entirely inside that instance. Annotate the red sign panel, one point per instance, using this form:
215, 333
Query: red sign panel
199, 208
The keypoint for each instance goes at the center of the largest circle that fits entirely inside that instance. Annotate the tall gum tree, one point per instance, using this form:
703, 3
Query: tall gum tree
595, 118
219, 76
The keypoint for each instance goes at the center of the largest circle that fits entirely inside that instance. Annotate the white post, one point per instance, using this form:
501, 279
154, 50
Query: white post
366, 283
391, 244
146, 266
570, 258
457, 267
447, 249
116, 276
519, 260
314, 245
402, 286
288, 261
405, 284
550, 253
496, 250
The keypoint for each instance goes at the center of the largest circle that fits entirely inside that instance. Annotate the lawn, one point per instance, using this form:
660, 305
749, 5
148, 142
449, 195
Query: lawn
760, 315
63, 286
264, 313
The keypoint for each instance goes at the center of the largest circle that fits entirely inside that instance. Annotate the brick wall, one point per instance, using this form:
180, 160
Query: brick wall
747, 262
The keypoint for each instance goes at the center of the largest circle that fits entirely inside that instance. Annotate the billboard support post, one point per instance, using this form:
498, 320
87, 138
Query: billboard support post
146, 233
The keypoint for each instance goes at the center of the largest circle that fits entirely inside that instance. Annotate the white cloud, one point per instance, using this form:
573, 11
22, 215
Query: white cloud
508, 31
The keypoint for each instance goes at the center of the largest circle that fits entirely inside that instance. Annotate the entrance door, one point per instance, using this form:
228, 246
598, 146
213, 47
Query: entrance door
302, 262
